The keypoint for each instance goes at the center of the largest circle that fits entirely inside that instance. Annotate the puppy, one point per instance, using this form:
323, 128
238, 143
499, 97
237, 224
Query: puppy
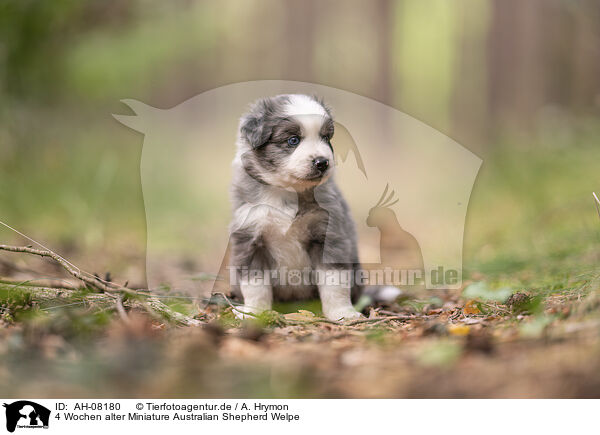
289, 217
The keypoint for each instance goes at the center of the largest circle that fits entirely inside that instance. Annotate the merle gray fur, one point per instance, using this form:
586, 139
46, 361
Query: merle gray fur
322, 225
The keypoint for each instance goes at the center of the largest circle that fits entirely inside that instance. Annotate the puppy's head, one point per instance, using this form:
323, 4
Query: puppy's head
284, 141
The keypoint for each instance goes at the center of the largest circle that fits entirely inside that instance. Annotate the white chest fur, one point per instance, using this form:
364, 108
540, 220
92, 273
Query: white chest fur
272, 218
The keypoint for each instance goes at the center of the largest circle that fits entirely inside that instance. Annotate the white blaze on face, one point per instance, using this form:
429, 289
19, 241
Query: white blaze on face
303, 105
311, 116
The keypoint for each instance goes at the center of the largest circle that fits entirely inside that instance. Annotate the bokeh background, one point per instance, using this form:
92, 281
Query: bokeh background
517, 83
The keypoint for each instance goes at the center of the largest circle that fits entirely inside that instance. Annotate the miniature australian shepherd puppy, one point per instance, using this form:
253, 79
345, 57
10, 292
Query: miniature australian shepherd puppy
289, 216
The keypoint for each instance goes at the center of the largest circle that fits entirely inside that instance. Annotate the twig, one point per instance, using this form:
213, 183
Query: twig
311, 322
181, 319
379, 320
44, 279
66, 305
112, 289
95, 282
50, 250
52, 293
233, 307
374, 320
495, 307
597, 203
121, 310
387, 313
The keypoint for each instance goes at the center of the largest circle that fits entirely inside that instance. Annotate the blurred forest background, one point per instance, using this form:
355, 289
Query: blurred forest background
516, 82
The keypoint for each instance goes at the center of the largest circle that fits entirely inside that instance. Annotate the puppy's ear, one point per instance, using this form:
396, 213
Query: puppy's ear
254, 130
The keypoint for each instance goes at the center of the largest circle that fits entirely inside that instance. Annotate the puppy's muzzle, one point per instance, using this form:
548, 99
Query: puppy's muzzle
321, 164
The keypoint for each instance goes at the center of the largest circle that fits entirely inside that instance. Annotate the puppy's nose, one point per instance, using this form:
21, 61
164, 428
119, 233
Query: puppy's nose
321, 163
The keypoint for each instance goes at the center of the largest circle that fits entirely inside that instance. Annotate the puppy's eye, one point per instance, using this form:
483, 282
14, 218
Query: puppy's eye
293, 141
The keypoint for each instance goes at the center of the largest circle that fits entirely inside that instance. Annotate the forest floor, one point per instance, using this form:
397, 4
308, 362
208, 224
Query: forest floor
476, 342
526, 322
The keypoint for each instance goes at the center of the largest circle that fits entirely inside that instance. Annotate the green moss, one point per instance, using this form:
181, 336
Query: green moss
15, 302
270, 318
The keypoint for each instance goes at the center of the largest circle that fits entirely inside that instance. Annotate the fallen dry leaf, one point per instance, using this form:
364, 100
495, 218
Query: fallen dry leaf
471, 308
459, 330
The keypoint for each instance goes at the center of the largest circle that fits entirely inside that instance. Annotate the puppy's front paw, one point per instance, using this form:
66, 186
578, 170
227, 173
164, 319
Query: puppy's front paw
344, 314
